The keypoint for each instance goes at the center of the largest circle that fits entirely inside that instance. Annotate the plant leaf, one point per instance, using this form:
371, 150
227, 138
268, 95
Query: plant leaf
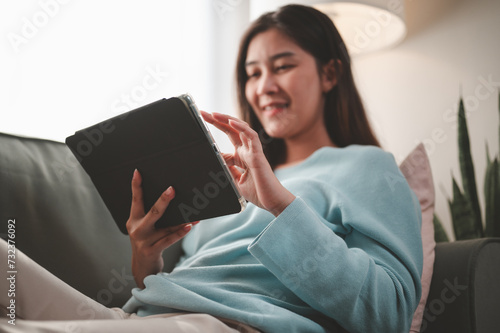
488, 158
467, 170
439, 233
461, 214
492, 198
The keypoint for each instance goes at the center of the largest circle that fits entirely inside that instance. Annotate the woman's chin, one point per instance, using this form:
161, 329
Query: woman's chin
277, 132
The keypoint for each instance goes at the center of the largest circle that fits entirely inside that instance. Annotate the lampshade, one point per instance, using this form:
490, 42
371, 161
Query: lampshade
365, 25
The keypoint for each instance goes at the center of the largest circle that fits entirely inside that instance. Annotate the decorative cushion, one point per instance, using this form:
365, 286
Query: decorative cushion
417, 171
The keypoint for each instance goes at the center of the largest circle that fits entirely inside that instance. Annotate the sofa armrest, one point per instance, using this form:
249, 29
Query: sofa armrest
465, 290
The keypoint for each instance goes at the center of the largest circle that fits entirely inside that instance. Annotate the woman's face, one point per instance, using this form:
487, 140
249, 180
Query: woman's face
284, 87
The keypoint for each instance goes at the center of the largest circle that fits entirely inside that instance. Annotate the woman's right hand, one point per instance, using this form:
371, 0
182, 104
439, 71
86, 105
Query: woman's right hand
148, 243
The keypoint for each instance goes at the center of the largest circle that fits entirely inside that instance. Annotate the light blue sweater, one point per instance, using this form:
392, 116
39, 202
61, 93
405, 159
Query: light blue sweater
347, 250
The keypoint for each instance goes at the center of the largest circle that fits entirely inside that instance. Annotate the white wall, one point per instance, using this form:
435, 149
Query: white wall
412, 91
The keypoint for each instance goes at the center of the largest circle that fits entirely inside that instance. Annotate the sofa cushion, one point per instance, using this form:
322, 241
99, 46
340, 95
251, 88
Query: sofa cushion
417, 171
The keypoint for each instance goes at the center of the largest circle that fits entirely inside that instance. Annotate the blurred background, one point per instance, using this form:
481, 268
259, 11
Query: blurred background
66, 65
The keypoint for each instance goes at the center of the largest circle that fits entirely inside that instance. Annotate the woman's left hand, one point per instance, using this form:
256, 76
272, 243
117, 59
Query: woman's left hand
249, 166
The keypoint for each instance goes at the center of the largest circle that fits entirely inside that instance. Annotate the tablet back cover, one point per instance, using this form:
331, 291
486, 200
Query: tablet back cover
165, 142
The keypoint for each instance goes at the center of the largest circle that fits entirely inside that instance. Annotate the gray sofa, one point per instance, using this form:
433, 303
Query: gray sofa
63, 225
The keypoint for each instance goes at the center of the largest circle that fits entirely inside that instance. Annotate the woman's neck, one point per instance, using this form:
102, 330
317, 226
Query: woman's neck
299, 150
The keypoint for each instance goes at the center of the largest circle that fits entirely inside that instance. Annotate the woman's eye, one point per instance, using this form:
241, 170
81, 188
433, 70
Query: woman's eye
282, 68
253, 74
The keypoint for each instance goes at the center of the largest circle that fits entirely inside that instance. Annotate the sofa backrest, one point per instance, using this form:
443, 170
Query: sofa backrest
61, 221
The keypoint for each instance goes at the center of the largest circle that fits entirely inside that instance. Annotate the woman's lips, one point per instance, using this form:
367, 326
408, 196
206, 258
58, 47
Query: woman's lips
274, 109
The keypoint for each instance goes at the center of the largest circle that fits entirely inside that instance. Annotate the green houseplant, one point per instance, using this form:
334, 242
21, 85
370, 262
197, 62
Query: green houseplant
464, 205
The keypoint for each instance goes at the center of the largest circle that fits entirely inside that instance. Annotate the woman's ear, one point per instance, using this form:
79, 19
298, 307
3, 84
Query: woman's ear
329, 75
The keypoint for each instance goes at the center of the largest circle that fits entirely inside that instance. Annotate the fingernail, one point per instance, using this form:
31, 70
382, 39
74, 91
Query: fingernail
188, 227
134, 176
170, 191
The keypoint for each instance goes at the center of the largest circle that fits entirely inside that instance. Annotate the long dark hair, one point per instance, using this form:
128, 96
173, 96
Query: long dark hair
345, 116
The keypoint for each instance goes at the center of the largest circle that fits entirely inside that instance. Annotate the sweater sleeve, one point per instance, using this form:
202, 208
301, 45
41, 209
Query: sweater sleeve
368, 278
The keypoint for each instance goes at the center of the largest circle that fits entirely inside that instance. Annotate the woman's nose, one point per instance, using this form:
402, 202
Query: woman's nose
267, 84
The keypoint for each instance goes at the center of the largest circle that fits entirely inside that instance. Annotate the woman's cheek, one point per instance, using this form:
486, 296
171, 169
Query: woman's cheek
250, 88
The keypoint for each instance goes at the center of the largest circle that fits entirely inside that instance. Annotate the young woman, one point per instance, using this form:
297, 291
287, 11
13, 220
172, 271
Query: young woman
328, 242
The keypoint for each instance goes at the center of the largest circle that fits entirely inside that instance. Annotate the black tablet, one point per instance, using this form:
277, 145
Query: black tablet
170, 145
